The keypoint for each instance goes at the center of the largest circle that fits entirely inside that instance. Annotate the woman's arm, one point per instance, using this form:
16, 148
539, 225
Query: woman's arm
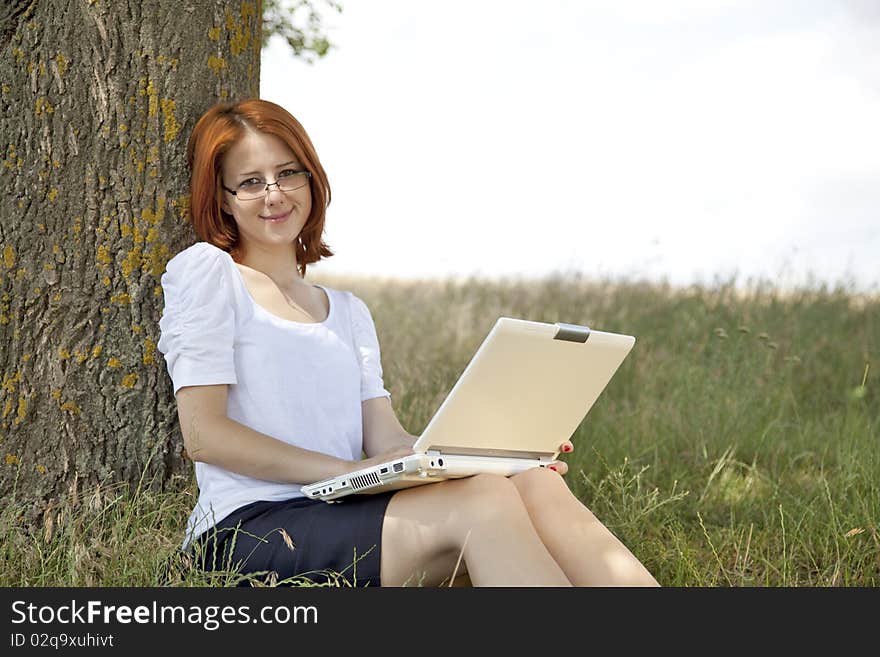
211, 437
382, 430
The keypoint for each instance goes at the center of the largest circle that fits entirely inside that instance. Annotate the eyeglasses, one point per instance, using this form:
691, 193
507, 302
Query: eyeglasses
288, 180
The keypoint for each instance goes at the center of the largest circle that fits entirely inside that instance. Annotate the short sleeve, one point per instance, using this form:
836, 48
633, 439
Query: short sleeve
367, 346
198, 322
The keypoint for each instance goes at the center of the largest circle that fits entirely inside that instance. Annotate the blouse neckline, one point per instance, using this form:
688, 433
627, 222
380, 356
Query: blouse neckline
272, 315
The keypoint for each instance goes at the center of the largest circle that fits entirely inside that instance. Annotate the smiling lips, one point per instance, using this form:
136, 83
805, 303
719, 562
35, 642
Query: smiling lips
276, 218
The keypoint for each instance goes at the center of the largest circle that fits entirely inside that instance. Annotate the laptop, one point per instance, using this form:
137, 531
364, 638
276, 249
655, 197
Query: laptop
523, 393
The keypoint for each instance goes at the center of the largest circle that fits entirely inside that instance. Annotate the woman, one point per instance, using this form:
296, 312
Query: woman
279, 383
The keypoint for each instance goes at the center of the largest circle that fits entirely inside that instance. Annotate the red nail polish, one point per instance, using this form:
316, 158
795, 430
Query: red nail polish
553, 467
566, 448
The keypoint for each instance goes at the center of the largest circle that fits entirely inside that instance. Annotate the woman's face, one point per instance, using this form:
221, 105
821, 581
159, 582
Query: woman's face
277, 218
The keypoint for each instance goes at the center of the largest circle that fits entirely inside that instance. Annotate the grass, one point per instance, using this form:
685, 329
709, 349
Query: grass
736, 446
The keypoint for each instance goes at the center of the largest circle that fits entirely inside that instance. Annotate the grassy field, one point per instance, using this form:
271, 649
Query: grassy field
736, 446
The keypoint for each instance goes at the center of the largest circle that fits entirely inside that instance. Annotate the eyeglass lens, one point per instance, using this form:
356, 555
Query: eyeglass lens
287, 182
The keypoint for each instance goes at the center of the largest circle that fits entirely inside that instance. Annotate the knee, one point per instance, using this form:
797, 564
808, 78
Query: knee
489, 485
541, 486
489, 495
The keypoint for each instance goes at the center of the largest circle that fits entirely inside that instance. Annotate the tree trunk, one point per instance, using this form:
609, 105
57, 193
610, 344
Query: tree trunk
98, 99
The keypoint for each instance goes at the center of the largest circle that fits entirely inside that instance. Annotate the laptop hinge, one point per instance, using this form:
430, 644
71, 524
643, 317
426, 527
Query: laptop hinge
441, 450
572, 332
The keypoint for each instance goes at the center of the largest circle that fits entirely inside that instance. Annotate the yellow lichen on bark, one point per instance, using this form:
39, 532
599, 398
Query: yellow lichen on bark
129, 380
157, 257
216, 63
21, 413
149, 352
133, 260
62, 63
148, 89
10, 381
172, 127
181, 204
43, 106
103, 257
170, 61
70, 407
152, 218
12, 158
241, 38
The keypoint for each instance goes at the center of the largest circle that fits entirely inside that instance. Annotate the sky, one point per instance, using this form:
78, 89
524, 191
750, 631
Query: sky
682, 141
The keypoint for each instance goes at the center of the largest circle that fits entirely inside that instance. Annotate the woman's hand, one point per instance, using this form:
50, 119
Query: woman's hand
560, 466
384, 457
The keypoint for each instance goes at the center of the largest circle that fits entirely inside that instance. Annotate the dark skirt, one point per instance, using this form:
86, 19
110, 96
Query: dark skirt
299, 541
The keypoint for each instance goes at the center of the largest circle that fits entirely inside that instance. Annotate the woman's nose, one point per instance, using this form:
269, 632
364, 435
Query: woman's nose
273, 194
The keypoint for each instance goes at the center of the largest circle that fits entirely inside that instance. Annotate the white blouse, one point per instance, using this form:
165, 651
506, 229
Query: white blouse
302, 383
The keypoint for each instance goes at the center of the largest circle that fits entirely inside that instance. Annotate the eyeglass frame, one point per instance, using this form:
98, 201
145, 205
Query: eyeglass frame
268, 185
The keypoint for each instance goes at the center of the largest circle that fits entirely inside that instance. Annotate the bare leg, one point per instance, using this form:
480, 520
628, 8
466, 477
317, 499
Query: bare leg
588, 553
426, 528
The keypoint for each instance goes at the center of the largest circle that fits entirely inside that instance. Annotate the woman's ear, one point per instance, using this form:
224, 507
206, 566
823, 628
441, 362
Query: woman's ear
224, 204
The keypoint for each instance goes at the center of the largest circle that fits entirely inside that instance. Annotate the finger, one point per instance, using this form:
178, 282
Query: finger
559, 466
566, 447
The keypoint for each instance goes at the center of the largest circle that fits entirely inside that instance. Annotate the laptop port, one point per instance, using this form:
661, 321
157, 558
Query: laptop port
398, 467
383, 471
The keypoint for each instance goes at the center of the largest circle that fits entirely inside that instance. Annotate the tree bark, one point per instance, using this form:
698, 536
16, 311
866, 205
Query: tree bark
97, 101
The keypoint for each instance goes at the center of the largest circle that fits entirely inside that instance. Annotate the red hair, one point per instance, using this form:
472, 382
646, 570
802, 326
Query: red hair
215, 132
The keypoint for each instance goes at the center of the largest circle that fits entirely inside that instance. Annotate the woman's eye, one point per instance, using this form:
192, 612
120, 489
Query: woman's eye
248, 182
287, 173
